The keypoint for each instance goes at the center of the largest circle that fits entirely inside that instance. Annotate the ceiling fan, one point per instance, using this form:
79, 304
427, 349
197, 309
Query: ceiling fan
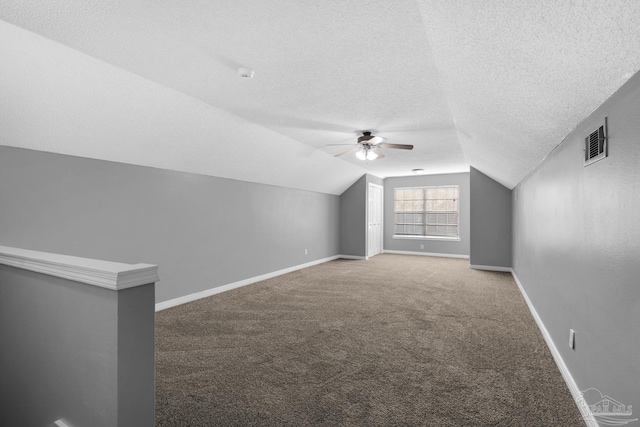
368, 147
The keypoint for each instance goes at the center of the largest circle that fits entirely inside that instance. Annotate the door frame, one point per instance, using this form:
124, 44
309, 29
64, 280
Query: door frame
371, 184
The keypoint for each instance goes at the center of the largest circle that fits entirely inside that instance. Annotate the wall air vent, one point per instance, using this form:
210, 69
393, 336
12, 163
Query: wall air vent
595, 145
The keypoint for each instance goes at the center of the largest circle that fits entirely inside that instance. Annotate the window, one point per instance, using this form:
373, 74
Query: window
426, 211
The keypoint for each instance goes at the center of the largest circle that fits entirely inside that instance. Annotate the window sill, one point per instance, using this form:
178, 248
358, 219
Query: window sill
443, 238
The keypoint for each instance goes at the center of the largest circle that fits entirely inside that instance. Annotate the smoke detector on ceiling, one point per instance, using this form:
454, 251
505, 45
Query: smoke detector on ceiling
245, 73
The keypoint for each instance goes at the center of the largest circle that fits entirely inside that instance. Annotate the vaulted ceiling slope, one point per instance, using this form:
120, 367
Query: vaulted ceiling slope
495, 85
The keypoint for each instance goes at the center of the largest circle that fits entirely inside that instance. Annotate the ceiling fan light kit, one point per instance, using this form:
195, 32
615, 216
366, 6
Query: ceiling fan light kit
366, 154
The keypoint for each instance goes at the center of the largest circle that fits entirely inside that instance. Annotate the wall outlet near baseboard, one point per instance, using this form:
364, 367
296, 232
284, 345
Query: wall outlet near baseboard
421, 246
572, 339
305, 252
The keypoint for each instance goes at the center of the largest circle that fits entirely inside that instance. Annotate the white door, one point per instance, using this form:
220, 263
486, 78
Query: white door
375, 220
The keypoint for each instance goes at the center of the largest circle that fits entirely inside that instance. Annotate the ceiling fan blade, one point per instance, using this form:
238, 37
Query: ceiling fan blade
352, 150
397, 146
376, 140
333, 145
378, 152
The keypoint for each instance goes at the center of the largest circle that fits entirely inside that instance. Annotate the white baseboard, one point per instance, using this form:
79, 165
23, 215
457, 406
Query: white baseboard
587, 415
353, 257
218, 289
490, 268
386, 251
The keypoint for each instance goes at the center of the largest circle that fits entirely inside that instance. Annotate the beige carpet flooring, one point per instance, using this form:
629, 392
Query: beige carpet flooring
394, 341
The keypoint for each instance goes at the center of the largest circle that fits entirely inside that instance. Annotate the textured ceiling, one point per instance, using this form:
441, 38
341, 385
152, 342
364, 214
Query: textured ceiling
495, 85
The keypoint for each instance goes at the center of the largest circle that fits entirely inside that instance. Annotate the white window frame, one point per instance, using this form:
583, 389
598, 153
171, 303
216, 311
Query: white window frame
426, 237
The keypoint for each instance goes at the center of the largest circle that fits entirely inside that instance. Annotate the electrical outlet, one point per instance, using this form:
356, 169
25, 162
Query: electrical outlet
421, 246
572, 339
305, 252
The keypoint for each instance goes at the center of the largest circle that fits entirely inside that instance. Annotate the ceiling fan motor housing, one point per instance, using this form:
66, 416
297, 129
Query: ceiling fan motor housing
366, 136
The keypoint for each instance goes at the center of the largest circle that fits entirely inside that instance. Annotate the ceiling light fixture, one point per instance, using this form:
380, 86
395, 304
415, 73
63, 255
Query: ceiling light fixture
366, 153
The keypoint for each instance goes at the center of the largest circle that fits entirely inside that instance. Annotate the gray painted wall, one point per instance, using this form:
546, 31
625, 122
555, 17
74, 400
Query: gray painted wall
136, 356
432, 246
75, 351
353, 219
202, 231
374, 180
490, 221
353, 216
577, 250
